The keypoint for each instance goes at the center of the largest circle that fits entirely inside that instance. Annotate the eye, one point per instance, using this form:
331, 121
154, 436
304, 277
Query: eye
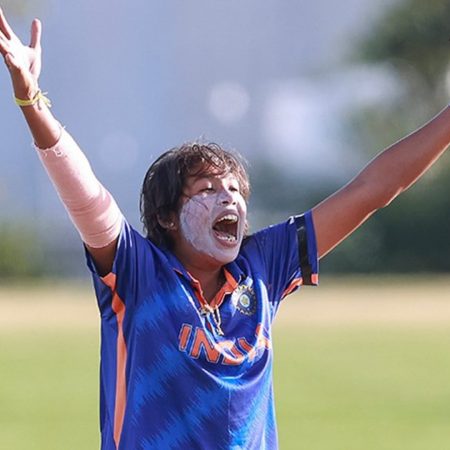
207, 189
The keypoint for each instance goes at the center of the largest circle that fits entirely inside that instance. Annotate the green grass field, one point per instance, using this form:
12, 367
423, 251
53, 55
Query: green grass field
360, 364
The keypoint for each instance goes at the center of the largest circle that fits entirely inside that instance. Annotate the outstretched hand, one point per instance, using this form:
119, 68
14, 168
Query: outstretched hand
23, 61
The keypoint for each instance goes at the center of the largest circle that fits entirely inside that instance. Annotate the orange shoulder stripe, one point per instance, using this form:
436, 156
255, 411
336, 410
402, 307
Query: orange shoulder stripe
296, 282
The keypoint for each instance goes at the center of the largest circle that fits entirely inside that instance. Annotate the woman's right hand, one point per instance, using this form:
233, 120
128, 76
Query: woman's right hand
23, 61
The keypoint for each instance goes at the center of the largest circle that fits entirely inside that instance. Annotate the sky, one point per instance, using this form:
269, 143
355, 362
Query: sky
131, 79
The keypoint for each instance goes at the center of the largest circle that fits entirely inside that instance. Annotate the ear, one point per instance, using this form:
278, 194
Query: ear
169, 224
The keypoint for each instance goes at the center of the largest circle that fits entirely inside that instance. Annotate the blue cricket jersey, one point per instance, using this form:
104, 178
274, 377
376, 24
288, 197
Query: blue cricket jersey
177, 374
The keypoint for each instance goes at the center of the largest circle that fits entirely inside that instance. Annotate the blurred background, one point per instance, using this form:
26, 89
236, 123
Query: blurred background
308, 92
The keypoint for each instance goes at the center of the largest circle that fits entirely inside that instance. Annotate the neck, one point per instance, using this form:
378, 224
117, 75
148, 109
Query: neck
210, 276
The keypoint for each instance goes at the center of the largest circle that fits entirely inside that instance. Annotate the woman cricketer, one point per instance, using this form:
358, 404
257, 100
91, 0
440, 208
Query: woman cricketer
186, 311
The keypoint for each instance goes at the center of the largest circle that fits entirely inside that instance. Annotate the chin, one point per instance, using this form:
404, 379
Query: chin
224, 256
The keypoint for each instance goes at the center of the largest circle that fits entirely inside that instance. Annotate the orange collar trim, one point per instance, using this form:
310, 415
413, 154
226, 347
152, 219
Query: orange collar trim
228, 287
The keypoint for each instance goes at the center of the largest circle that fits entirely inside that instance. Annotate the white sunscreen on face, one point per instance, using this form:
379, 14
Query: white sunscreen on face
196, 221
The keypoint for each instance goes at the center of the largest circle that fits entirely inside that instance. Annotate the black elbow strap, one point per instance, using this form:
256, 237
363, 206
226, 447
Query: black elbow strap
305, 265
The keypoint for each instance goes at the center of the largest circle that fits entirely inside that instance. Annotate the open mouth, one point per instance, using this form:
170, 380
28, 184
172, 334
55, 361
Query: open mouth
226, 228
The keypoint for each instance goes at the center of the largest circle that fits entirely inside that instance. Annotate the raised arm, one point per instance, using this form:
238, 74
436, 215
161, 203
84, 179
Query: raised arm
90, 206
389, 174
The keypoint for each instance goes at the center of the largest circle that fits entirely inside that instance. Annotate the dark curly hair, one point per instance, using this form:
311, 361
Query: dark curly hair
166, 178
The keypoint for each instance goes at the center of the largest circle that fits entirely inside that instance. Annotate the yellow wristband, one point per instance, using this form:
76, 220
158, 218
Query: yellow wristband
36, 99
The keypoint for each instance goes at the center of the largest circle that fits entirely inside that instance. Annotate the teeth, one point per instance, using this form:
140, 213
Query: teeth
227, 237
230, 217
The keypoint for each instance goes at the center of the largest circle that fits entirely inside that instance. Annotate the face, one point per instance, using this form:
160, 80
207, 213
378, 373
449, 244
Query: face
213, 216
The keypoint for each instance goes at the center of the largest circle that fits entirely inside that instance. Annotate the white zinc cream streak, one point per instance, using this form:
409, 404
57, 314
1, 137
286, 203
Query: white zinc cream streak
197, 217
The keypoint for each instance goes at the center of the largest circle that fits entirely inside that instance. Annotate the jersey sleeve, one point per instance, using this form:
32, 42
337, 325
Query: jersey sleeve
289, 256
133, 270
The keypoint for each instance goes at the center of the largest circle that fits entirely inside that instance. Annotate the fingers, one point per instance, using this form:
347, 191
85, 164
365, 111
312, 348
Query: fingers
4, 26
11, 62
4, 45
36, 31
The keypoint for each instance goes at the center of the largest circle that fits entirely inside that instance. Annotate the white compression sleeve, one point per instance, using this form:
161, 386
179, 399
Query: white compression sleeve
91, 207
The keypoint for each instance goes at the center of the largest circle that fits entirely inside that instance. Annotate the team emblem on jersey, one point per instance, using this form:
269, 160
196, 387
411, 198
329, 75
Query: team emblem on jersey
244, 299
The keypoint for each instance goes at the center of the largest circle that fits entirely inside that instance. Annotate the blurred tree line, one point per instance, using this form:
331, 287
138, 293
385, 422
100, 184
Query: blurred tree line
412, 39
21, 253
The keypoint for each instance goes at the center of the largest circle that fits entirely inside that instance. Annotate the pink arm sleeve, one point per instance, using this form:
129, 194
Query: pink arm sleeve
91, 207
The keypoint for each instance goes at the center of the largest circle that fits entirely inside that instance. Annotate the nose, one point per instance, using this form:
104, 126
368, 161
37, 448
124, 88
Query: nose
226, 197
